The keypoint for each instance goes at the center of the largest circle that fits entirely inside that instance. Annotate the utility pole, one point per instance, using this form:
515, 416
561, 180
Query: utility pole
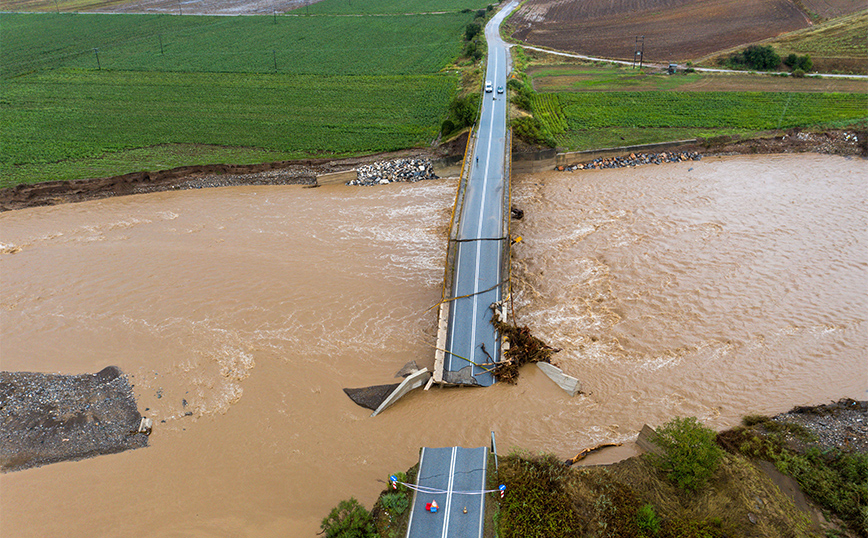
179, 8
98, 66
161, 44
640, 50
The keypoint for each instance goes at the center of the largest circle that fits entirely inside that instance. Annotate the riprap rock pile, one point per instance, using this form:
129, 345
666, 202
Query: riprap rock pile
383, 172
634, 159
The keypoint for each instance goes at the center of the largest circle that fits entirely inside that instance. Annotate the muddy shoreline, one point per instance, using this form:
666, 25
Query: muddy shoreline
304, 172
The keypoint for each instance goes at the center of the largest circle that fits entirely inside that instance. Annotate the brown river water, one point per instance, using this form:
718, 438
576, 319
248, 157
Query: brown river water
717, 289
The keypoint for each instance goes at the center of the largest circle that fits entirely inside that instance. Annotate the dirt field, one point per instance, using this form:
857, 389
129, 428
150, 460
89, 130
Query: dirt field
674, 30
552, 78
832, 8
184, 7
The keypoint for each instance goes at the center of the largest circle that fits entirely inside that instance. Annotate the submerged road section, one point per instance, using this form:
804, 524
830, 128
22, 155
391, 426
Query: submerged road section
454, 479
478, 264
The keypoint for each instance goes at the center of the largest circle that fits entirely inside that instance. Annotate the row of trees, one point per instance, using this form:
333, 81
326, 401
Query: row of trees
765, 58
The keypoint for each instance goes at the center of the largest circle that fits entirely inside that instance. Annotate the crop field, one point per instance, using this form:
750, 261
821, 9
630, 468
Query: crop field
392, 6
246, 7
300, 87
301, 45
579, 77
601, 119
673, 30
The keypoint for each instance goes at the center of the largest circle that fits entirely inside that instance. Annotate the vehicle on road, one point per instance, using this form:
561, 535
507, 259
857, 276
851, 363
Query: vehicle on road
500, 89
488, 87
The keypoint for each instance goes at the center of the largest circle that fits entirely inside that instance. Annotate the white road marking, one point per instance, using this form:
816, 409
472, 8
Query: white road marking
479, 229
449, 491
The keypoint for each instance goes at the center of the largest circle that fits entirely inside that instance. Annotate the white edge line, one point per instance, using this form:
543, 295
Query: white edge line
482, 497
448, 502
415, 492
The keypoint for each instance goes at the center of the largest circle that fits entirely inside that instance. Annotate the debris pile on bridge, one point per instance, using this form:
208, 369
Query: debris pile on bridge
524, 348
384, 172
634, 159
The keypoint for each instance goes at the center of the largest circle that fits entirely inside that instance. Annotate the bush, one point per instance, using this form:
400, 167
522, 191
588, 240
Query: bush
530, 130
349, 519
759, 57
463, 110
647, 521
395, 502
794, 62
471, 30
447, 127
690, 453
798, 73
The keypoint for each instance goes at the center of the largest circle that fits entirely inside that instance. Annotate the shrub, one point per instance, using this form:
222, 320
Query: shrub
349, 519
471, 30
647, 521
463, 110
447, 127
395, 502
798, 73
759, 57
530, 130
537, 503
690, 453
796, 63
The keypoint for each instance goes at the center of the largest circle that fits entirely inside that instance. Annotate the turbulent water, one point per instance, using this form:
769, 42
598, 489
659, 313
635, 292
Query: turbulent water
715, 289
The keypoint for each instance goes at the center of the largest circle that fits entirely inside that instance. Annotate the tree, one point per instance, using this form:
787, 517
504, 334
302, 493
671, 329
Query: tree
690, 453
349, 519
471, 30
761, 57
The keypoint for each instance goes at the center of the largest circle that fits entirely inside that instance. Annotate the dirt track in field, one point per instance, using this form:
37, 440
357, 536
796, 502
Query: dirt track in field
673, 30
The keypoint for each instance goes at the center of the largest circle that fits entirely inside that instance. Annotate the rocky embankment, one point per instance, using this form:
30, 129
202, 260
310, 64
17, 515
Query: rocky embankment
634, 159
397, 170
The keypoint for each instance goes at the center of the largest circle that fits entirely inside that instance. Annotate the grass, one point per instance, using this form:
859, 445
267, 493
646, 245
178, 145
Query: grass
80, 119
391, 6
633, 499
294, 45
836, 479
587, 120
343, 86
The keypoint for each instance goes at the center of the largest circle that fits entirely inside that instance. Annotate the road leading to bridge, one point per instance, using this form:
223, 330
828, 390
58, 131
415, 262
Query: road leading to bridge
454, 478
481, 230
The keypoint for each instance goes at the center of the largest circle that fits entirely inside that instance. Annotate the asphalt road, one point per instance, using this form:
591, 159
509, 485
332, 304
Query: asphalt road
460, 474
471, 337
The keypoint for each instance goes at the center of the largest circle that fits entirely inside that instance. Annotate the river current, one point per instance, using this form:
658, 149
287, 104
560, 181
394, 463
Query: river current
719, 288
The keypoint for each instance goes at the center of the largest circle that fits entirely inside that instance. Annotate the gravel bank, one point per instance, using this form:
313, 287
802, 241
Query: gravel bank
47, 418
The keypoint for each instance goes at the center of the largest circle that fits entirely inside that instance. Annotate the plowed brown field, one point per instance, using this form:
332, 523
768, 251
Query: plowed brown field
674, 30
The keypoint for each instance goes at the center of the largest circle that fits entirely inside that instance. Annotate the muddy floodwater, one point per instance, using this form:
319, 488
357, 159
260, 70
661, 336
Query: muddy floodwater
717, 288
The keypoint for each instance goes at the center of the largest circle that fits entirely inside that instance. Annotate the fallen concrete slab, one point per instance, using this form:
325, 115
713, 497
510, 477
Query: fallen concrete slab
413, 381
570, 384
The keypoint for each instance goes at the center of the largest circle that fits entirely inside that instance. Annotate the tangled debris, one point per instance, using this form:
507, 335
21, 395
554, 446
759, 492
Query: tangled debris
397, 170
47, 418
634, 159
524, 348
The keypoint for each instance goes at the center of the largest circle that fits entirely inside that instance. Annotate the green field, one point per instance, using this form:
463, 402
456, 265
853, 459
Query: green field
342, 85
298, 45
392, 6
585, 120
